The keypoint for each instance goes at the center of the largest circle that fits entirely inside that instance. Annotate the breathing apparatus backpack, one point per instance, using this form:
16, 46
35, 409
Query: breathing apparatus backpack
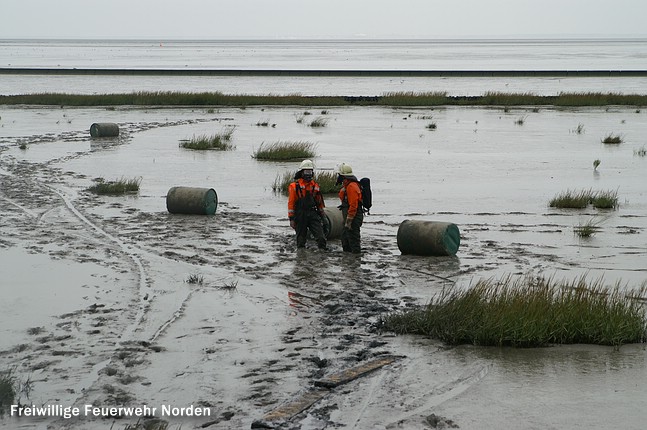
367, 194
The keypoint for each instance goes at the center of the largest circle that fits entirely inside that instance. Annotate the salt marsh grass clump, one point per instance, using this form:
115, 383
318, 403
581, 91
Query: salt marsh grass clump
219, 141
612, 139
581, 199
7, 390
640, 152
431, 126
605, 199
326, 179
195, 279
318, 122
587, 229
571, 199
117, 187
285, 151
530, 312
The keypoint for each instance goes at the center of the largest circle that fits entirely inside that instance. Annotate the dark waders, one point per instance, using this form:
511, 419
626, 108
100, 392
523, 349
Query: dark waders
307, 218
350, 238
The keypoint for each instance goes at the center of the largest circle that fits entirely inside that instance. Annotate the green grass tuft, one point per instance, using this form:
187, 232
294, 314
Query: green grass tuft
613, 139
285, 151
118, 187
319, 122
581, 199
529, 312
571, 200
587, 229
640, 152
220, 141
7, 390
605, 200
195, 279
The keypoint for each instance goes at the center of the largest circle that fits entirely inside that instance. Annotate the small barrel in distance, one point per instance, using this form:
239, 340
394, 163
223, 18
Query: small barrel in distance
104, 129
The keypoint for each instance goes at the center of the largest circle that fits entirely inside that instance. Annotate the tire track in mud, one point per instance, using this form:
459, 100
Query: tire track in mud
143, 279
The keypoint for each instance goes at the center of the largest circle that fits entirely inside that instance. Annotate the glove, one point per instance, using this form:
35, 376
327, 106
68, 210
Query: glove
293, 224
348, 223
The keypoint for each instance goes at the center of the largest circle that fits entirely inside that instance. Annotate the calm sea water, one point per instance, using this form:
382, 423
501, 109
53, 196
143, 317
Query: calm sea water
326, 55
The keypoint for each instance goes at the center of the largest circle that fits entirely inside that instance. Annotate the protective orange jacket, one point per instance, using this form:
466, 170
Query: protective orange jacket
295, 193
352, 194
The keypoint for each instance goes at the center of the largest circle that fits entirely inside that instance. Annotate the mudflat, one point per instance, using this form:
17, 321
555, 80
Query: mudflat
113, 302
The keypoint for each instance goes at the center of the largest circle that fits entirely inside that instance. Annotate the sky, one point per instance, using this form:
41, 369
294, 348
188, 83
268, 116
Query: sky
284, 19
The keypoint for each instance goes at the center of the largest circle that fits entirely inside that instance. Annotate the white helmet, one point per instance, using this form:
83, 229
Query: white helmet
345, 169
306, 164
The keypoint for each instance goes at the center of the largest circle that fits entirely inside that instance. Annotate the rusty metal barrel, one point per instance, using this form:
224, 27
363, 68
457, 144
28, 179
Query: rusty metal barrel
428, 238
194, 201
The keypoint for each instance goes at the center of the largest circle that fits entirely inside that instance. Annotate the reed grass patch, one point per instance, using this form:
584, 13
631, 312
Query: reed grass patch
520, 120
285, 151
326, 179
388, 99
219, 141
319, 122
412, 98
431, 126
195, 279
530, 312
596, 163
7, 390
612, 139
605, 199
640, 152
587, 229
116, 187
571, 199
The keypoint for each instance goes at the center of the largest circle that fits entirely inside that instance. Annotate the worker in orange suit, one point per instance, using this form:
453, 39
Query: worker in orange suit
306, 205
351, 207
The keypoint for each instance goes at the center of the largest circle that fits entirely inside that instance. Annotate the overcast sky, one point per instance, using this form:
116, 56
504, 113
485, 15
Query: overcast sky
234, 19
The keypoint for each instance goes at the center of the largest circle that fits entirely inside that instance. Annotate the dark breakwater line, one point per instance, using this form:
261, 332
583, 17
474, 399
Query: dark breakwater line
316, 73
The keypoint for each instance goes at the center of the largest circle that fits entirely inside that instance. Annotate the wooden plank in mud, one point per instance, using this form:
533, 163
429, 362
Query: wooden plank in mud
345, 376
308, 398
285, 412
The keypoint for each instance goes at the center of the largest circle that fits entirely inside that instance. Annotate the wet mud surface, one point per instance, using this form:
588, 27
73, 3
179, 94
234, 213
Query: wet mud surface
103, 311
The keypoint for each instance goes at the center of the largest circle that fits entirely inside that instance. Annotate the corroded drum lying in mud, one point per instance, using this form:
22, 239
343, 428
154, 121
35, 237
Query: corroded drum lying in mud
333, 222
104, 129
195, 201
428, 238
